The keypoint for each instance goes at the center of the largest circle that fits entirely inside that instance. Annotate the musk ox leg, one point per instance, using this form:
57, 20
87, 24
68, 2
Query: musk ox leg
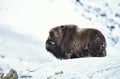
92, 50
71, 55
74, 56
98, 50
85, 53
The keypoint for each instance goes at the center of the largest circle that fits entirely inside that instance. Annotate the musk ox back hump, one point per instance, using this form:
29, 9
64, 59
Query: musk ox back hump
69, 41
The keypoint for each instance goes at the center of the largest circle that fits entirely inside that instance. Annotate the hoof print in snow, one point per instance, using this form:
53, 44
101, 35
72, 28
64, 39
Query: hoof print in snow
25, 76
58, 73
49, 77
2, 56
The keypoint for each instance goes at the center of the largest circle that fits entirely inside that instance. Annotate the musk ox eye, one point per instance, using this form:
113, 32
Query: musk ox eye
54, 34
51, 34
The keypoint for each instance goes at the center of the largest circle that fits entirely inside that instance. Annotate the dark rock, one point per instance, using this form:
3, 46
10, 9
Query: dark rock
115, 40
78, 1
111, 28
97, 9
11, 75
119, 4
103, 14
117, 15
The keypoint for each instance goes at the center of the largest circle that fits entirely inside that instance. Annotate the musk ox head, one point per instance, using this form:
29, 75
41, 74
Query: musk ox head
69, 41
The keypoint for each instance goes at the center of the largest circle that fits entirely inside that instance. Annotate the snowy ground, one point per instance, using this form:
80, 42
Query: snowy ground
24, 26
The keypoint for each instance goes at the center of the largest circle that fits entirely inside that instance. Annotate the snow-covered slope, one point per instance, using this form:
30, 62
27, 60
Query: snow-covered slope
81, 68
24, 26
23, 47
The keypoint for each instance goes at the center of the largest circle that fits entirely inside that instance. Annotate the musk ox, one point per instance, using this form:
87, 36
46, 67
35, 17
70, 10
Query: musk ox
69, 41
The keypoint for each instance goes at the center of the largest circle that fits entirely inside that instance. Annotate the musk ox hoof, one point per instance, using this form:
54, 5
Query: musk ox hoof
69, 41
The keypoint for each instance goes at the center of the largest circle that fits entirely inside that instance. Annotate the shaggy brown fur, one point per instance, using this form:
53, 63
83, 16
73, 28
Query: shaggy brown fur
69, 41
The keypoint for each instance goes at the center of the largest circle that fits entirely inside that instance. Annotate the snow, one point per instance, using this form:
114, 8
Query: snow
24, 27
